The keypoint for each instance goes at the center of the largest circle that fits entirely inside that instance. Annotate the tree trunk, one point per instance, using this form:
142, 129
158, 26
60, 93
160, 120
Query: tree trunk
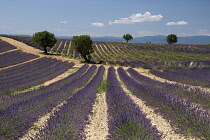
45, 50
85, 57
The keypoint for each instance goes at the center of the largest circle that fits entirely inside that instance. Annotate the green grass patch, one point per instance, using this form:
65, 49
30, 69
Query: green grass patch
103, 86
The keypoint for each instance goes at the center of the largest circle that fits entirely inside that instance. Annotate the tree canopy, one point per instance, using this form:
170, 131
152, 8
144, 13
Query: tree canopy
127, 37
172, 38
83, 44
44, 39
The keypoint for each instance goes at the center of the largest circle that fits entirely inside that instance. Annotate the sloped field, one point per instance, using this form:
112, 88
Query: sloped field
99, 102
145, 55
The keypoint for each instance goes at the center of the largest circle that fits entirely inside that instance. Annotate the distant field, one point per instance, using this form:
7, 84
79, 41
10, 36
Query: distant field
138, 54
142, 55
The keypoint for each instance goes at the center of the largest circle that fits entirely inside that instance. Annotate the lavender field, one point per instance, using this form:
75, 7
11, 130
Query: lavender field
136, 94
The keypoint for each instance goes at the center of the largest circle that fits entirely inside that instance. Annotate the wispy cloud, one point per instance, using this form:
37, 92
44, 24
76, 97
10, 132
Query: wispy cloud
97, 24
63, 22
149, 33
203, 32
135, 18
177, 23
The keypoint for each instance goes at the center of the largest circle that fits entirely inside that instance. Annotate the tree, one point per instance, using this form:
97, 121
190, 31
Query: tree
127, 37
83, 44
172, 38
44, 39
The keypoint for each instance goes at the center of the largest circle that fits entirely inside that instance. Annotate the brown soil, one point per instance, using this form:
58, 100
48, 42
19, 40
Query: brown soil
98, 119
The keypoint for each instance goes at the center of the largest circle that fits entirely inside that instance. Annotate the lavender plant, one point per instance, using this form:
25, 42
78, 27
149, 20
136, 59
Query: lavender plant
193, 95
33, 78
16, 119
70, 120
15, 57
6, 46
187, 118
16, 98
126, 120
23, 69
194, 80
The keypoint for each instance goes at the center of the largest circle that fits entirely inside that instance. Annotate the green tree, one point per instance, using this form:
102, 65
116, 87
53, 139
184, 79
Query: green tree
127, 37
172, 38
44, 39
83, 44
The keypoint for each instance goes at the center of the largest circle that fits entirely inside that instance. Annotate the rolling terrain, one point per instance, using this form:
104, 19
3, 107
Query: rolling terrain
141, 91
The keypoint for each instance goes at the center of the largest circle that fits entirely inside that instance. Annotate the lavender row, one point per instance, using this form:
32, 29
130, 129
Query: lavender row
190, 48
194, 95
26, 67
126, 120
195, 80
70, 120
61, 46
26, 40
15, 57
30, 71
186, 48
4, 46
18, 118
35, 79
198, 74
187, 118
199, 71
148, 65
66, 48
131, 64
54, 48
193, 64
16, 98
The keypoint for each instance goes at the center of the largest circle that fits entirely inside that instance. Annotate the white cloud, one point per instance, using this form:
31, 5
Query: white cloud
177, 23
63, 22
135, 18
97, 24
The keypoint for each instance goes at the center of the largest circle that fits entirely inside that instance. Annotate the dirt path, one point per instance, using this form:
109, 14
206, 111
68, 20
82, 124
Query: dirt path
97, 129
9, 51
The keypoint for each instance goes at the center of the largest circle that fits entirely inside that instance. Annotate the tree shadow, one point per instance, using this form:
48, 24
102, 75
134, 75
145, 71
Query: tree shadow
50, 54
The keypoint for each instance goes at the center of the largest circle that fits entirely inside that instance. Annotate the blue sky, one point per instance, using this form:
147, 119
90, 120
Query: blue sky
106, 17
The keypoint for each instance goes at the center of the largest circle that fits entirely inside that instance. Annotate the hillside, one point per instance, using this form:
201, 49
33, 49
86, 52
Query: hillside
57, 97
153, 39
145, 55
